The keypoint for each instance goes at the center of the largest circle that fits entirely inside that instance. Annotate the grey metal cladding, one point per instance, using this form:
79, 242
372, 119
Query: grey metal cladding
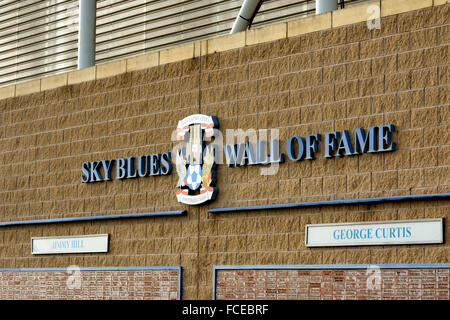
40, 38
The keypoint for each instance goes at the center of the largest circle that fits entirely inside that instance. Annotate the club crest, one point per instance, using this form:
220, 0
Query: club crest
195, 161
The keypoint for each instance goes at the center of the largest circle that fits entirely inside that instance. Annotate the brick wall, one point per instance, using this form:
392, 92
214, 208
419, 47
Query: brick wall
357, 284
330, 80
89, 285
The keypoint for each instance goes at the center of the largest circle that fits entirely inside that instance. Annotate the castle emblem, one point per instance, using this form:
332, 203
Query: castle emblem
195, 161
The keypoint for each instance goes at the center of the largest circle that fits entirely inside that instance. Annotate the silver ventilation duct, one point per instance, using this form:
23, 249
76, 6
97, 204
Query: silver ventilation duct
86, 34
246, 14
323, 6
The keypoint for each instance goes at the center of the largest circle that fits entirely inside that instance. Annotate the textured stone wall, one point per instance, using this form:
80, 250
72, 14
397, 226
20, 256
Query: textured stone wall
330, 80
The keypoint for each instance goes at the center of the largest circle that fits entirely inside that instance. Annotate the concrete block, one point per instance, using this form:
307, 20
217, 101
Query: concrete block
53, 82
270, 33
391, 7
143, 61
28, 87
359, 13
224, 43
310, 24
82, 75
197, 49
7, 92
177, 54
110, 69
204, 47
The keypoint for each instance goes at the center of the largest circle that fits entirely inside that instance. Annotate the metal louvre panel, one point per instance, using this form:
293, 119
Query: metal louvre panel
37, 38
162, 24
33, 43
37, 12
40, 37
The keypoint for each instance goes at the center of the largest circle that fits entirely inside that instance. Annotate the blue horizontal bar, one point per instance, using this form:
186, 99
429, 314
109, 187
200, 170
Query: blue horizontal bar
334, 266
94, 218
436, 196
92, 269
